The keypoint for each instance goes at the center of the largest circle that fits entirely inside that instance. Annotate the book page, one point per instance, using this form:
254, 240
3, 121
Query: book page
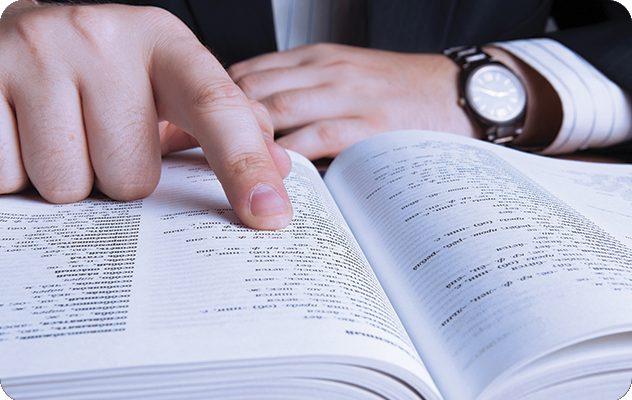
487, 268
176, 278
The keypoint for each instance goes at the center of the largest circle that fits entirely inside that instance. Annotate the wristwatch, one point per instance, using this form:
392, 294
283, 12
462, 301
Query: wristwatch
492, 94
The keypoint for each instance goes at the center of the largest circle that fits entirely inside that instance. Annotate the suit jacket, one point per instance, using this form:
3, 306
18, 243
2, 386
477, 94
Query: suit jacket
598, 30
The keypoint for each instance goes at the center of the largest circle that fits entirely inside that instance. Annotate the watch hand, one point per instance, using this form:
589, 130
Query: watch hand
486, 91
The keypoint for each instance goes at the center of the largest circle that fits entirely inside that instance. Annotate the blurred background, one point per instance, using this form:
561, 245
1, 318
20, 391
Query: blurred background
626, 3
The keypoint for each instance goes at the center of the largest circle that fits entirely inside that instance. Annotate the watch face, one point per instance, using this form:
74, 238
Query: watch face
496, 94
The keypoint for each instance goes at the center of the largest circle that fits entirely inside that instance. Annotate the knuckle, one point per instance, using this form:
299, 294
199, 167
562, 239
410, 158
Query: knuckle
280, 105
345, 70
13, 179
129, 176
216, 95
170, 33
45, 33
64, 184
248, 84
57, 195
163, 19
321, 49
93, 26
327, 136
245, 162
135, 183
33, 30
321, 53
130, 190
60, 175
130, 182
12, 185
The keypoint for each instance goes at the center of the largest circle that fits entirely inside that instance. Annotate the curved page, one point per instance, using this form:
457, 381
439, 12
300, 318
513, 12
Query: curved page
176, 279
492, 257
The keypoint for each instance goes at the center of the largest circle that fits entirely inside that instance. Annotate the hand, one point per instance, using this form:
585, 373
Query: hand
82, 92
330, 96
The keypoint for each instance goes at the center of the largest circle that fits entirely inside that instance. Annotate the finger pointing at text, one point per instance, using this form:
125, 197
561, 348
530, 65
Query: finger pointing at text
83, 88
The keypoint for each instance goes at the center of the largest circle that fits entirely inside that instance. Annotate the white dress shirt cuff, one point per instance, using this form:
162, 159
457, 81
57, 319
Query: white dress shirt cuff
596, 112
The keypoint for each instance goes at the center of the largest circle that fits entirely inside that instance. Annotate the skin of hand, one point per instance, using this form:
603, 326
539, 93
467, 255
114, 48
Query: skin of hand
325, 97
92, 95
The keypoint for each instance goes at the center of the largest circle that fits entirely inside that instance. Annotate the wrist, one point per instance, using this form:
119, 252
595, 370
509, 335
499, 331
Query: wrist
455, 120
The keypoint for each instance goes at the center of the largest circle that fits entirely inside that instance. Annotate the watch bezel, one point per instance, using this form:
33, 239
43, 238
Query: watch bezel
471, 105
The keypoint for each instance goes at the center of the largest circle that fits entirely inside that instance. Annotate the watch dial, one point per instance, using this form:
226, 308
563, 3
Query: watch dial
495, 93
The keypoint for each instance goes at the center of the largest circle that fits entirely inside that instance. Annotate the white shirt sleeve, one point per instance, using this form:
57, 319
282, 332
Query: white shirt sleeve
597, 112
301, 22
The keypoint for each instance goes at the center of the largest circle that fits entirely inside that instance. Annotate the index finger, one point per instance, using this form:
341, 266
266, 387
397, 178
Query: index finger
194, 92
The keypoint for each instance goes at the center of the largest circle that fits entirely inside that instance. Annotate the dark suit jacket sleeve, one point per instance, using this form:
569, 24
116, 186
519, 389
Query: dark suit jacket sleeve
598, 30
606, 43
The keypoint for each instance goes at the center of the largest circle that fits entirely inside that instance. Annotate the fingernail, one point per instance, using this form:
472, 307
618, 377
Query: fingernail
266, 201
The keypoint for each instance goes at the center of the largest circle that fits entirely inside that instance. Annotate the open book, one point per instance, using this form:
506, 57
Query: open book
426, 265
